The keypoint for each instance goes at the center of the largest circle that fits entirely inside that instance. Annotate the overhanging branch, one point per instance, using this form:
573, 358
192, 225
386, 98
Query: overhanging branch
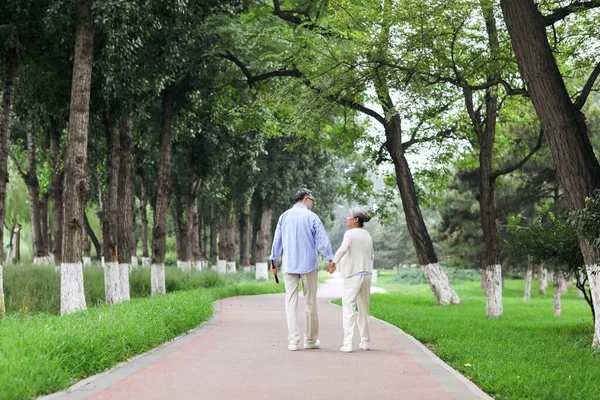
518, 165
563, 12
587, 88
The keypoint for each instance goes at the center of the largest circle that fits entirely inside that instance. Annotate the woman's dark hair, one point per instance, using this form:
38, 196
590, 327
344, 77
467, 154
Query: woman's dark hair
362, 215
301, 194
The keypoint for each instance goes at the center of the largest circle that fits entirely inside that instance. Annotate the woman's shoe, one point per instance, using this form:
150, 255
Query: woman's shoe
347, 348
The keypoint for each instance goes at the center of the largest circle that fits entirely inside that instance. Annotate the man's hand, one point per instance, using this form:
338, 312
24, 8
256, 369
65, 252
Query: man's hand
330, 267
274, 267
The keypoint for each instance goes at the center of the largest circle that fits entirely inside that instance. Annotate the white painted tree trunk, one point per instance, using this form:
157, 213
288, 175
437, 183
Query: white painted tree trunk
542, 283
197, 265
528, 278
2, 305
158, 279
43, 260
87, 261
124, 280
230, 267
222, 266
112, 283
440, 285
593, 272
262, 271
493, 290
134, 262
185, 266
564, 284
556, 280
72, 297
145, 262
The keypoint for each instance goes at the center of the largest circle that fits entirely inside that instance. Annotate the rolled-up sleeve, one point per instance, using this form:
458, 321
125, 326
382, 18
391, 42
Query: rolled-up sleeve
322, 242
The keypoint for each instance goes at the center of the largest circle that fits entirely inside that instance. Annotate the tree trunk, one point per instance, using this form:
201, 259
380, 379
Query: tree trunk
230, 229
75, 184
144, 220
562, 122
11, 64
56, 192
245, 239
202, 237
528, 276
438, 280
542, 282
196, 252
44, 226
213, 234
113, 289
126, 203
556, 280
191, 210
92, 235
263, 231
163, 195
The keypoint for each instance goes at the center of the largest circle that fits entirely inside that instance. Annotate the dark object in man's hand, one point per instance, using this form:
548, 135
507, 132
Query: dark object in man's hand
273, 267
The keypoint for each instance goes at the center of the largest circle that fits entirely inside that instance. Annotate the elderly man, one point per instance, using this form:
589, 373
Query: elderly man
300, 233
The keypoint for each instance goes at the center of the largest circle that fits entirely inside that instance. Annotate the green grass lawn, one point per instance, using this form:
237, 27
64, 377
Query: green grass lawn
42, 353
526, 354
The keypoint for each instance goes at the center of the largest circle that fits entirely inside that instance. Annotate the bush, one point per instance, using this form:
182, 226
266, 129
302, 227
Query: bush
416, 276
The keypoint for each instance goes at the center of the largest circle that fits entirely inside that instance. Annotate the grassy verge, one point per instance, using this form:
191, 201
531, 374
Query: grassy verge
526, 354
41, 353
30, 289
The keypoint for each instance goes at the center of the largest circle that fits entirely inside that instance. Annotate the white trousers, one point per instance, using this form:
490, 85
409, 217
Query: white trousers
357, 290
309, 289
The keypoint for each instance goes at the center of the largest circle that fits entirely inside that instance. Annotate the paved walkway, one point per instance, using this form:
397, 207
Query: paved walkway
241, 354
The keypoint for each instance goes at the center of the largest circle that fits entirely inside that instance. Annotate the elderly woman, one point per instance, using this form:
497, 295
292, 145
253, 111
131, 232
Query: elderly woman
355, 257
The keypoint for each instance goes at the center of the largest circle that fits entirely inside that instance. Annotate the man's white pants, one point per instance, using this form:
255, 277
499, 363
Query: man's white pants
357, 289
309, 289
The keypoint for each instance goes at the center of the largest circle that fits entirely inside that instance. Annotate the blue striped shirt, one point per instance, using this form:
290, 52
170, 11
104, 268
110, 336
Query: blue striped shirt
300, 233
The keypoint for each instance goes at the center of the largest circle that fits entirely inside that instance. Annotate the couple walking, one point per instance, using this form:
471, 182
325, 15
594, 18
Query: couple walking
299, 235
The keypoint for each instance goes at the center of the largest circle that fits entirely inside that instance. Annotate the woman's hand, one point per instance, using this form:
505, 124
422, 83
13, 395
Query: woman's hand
330, 267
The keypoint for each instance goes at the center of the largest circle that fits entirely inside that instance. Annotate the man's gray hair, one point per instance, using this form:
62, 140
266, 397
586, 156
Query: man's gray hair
301, 194
362, 215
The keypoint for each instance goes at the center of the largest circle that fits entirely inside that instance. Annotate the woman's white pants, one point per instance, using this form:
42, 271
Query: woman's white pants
357, 290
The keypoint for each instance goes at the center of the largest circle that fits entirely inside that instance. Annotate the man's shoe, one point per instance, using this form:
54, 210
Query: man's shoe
292, 347
315, 345
365, 345
347, 348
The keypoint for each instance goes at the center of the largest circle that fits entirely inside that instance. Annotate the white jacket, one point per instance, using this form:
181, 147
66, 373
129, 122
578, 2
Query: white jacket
355, 254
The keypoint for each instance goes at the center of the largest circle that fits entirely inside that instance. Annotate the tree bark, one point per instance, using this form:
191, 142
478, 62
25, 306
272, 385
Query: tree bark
213, 234
126, 203
11, 64
163, 195
562, 122
56, 191
113, 289
75, 184
245, 239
